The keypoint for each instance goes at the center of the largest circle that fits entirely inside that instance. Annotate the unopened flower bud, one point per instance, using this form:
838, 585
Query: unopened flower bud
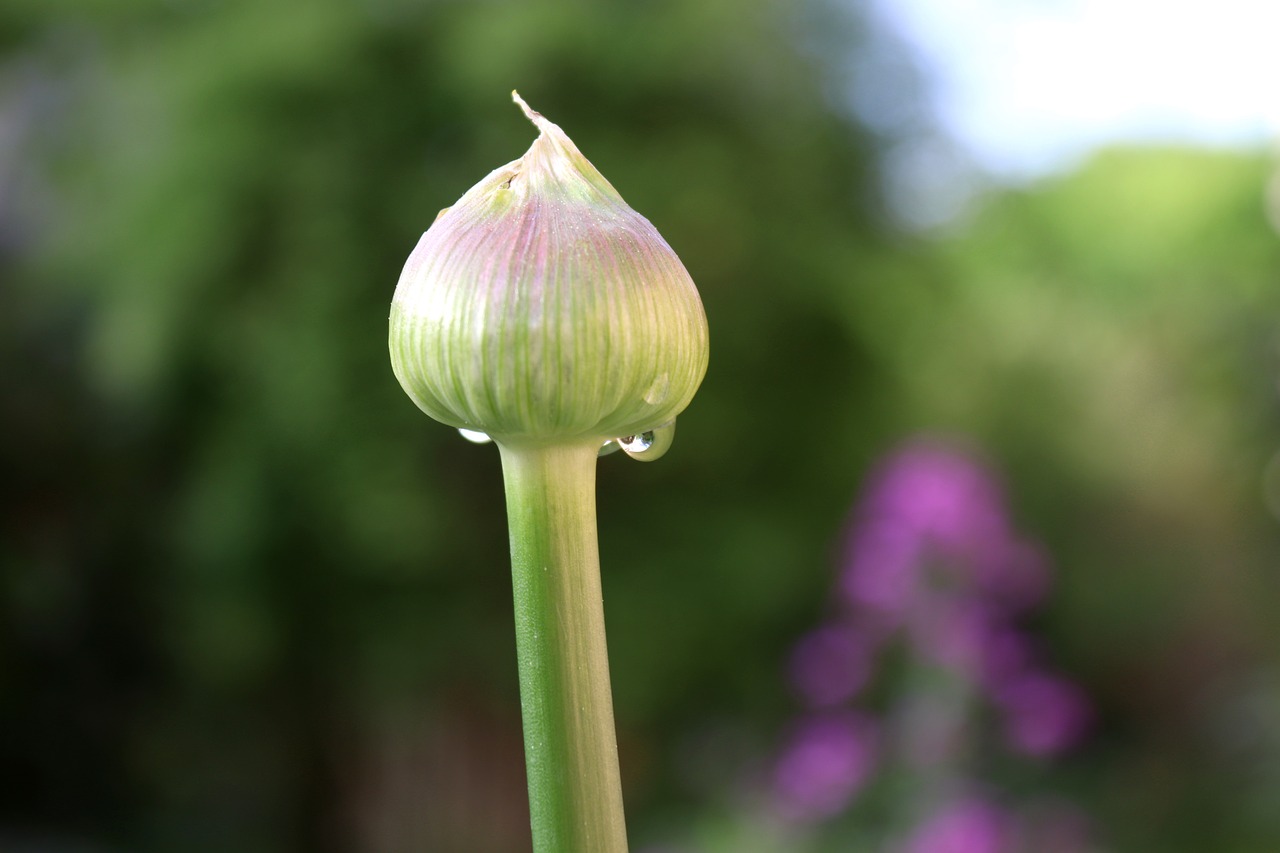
541, 308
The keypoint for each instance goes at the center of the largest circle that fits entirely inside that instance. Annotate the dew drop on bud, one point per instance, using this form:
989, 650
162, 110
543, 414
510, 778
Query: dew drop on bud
475, 436
650, 444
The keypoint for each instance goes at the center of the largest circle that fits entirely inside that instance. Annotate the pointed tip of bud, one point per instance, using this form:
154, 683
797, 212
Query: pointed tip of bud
532, 114
544, 124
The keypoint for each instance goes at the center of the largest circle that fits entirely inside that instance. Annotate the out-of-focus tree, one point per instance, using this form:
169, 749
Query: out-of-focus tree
254, 600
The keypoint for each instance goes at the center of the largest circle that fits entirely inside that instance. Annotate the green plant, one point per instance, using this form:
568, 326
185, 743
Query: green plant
542, 312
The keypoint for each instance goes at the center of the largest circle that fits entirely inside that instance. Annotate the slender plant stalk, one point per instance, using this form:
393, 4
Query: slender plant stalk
571, 751
538, 309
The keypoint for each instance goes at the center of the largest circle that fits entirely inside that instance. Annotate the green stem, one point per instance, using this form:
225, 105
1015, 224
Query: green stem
571, 751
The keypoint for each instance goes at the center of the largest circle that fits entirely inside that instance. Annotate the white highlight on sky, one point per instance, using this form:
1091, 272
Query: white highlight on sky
1029, 86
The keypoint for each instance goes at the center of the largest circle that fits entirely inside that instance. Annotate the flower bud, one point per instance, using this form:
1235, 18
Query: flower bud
541, 308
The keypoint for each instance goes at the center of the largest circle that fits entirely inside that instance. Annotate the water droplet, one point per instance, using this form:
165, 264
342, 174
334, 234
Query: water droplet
475, 436
650, 444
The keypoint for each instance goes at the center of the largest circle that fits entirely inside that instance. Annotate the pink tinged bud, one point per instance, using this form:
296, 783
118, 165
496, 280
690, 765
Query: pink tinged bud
541, 308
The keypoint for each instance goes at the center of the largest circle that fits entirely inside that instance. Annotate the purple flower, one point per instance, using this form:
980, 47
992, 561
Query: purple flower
882, 573
1013, 572
932, 551
932, 560
967, 826
830, 665
954, 632
941, 495
823, 766
1007, 653
928, 504
1043, 714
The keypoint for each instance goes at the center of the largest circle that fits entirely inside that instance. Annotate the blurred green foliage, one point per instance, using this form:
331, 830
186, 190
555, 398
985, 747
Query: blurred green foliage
253, 600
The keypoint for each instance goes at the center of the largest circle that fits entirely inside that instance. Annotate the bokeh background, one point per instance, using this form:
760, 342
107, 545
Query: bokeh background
251, 599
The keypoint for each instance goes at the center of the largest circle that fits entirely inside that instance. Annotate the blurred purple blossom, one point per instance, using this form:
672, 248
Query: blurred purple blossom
824, 764
882, 569
954, 632
968, 826
830, 664
933, 552
1043, 714
928, 505
1007, 653
1014, 572
932, 559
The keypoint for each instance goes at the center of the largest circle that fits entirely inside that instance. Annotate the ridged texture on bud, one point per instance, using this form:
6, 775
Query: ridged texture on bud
540, 307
